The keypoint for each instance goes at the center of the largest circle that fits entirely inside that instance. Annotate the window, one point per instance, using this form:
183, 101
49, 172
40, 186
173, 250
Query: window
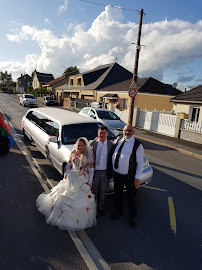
70, 133
92, 114
51, 127
85, 111
79, 81
29, 115
71, 82
29, 96
49, 98
195, 114
125, 103
107, 115
48, 126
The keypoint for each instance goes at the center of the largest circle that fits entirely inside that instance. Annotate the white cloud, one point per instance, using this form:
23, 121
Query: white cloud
168, 45
62, 7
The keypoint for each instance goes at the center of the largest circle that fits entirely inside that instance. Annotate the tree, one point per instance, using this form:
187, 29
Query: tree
5, 79
71, 71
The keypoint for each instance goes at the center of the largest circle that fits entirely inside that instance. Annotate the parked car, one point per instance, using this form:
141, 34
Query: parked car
55, 131
28, 100
48, 100
106, 117
96, 104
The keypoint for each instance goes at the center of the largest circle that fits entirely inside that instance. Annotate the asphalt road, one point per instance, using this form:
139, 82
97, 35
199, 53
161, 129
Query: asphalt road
168, 234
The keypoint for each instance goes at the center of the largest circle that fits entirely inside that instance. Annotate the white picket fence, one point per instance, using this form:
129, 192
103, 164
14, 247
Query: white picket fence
192, 126
158, 122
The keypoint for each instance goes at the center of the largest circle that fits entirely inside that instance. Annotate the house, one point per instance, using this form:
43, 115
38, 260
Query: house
86, 85
190, 103
39, 79
51, 86
23, 82
152, 94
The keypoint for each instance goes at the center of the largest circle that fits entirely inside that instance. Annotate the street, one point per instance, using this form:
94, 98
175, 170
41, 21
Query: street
168, 234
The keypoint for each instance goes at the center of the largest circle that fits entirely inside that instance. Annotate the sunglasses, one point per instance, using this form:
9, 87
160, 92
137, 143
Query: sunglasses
129, 130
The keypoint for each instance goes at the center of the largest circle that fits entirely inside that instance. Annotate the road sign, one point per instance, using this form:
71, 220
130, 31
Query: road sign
132, 92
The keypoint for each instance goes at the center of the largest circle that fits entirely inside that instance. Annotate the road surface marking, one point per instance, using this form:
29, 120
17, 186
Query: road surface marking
172, 214
154, 188
94, 253
82, 250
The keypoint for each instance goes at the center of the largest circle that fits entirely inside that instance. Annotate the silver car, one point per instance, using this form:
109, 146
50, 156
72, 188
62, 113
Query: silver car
55, 131
48, 100
28, 100
106, 117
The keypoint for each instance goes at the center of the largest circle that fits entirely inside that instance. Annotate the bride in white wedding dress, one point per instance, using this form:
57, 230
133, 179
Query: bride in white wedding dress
71, 205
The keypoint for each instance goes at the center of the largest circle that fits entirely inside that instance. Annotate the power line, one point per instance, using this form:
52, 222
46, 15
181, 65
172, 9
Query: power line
177, 52
91, 2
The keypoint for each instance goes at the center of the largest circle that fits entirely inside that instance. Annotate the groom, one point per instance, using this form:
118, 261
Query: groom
101, 149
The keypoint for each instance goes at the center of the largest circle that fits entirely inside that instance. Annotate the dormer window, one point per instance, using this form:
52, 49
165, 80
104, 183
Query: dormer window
79, 81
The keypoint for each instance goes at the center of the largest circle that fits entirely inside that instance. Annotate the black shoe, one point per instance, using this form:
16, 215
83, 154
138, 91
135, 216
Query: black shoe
133, 222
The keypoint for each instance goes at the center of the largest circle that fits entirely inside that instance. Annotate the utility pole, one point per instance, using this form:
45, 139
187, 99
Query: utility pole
134, 79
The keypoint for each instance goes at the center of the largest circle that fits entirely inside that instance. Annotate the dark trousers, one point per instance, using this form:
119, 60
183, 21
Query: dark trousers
100, 184
119, 182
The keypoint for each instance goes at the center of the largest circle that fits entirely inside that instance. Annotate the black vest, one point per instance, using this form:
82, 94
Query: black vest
132, 161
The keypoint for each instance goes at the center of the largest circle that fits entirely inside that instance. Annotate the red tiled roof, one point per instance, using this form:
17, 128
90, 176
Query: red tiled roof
55, 80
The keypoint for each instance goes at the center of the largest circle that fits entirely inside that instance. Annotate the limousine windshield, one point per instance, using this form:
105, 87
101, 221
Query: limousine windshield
70, 133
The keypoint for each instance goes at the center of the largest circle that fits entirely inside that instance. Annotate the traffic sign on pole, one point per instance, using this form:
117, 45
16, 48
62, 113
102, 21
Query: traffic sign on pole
132, 92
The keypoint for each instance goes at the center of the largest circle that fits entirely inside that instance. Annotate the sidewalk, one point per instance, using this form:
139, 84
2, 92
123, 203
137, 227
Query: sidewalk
185, 147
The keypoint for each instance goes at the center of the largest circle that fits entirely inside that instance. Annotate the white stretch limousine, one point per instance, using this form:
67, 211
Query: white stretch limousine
55, 131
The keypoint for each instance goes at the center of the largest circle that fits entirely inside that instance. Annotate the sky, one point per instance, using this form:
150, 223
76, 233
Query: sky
51, 35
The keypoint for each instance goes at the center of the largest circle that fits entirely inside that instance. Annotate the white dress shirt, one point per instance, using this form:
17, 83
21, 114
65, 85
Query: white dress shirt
103, 158
125, 157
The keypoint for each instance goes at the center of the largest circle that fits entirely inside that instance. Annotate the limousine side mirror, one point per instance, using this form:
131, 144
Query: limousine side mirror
53, 139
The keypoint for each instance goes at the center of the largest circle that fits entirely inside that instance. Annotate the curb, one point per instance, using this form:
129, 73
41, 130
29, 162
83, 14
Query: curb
183, 151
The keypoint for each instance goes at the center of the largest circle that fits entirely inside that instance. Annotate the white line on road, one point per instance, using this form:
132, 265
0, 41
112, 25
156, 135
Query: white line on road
95, 254
83, 251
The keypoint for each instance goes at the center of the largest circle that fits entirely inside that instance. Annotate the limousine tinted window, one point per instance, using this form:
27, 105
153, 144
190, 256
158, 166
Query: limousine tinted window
70, 133
47, 125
